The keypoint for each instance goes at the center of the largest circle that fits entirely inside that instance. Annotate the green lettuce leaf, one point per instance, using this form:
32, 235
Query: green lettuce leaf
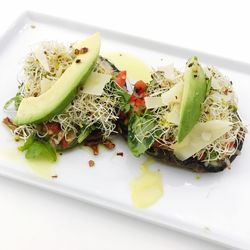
37, 149
138, 127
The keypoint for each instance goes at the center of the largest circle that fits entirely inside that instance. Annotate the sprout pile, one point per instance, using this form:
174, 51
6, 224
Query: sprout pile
42, 67
220, 104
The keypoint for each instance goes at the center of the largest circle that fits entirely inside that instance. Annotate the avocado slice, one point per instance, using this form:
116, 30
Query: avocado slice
194, 94
53, 101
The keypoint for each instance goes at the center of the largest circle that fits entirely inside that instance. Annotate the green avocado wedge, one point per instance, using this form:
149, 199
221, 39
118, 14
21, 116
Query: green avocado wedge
194, 94
63, 91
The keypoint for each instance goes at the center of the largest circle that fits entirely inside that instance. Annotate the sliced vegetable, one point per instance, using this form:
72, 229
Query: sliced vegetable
194, 93
56, 99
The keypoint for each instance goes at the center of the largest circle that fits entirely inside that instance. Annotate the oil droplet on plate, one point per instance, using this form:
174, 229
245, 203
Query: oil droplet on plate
41, 168
147, 188
135, 67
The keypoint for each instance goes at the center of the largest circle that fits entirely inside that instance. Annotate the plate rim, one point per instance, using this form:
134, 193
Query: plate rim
186, 228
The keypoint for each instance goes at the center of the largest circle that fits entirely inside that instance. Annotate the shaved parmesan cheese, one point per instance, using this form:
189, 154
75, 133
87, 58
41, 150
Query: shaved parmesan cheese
169, 72
45, 84
152, 102
201, 136
174, 115
173, 95
41, 57
95, 83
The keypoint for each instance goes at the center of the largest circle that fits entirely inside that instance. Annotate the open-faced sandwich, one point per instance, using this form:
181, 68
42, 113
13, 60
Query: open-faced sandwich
66, 96
188, 119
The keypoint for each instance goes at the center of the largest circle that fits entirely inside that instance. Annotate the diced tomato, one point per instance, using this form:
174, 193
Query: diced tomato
53, 128
140, 102
137, 102
64, 143
140, 87
133, 99
143, 94
136, 109
121, 78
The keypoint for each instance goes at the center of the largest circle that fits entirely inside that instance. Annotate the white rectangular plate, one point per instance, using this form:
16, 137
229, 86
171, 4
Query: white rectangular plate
215, 207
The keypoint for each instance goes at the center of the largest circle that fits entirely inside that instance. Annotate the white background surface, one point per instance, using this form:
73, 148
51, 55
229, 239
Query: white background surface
34, 219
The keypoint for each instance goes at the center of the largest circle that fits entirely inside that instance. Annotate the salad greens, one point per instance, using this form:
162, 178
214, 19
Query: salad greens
38, 149
139, 138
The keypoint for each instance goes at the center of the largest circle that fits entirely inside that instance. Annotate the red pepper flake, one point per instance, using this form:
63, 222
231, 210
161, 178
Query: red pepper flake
119, 154
78, 60
84, 50
91, 163
225, 91
77, 51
